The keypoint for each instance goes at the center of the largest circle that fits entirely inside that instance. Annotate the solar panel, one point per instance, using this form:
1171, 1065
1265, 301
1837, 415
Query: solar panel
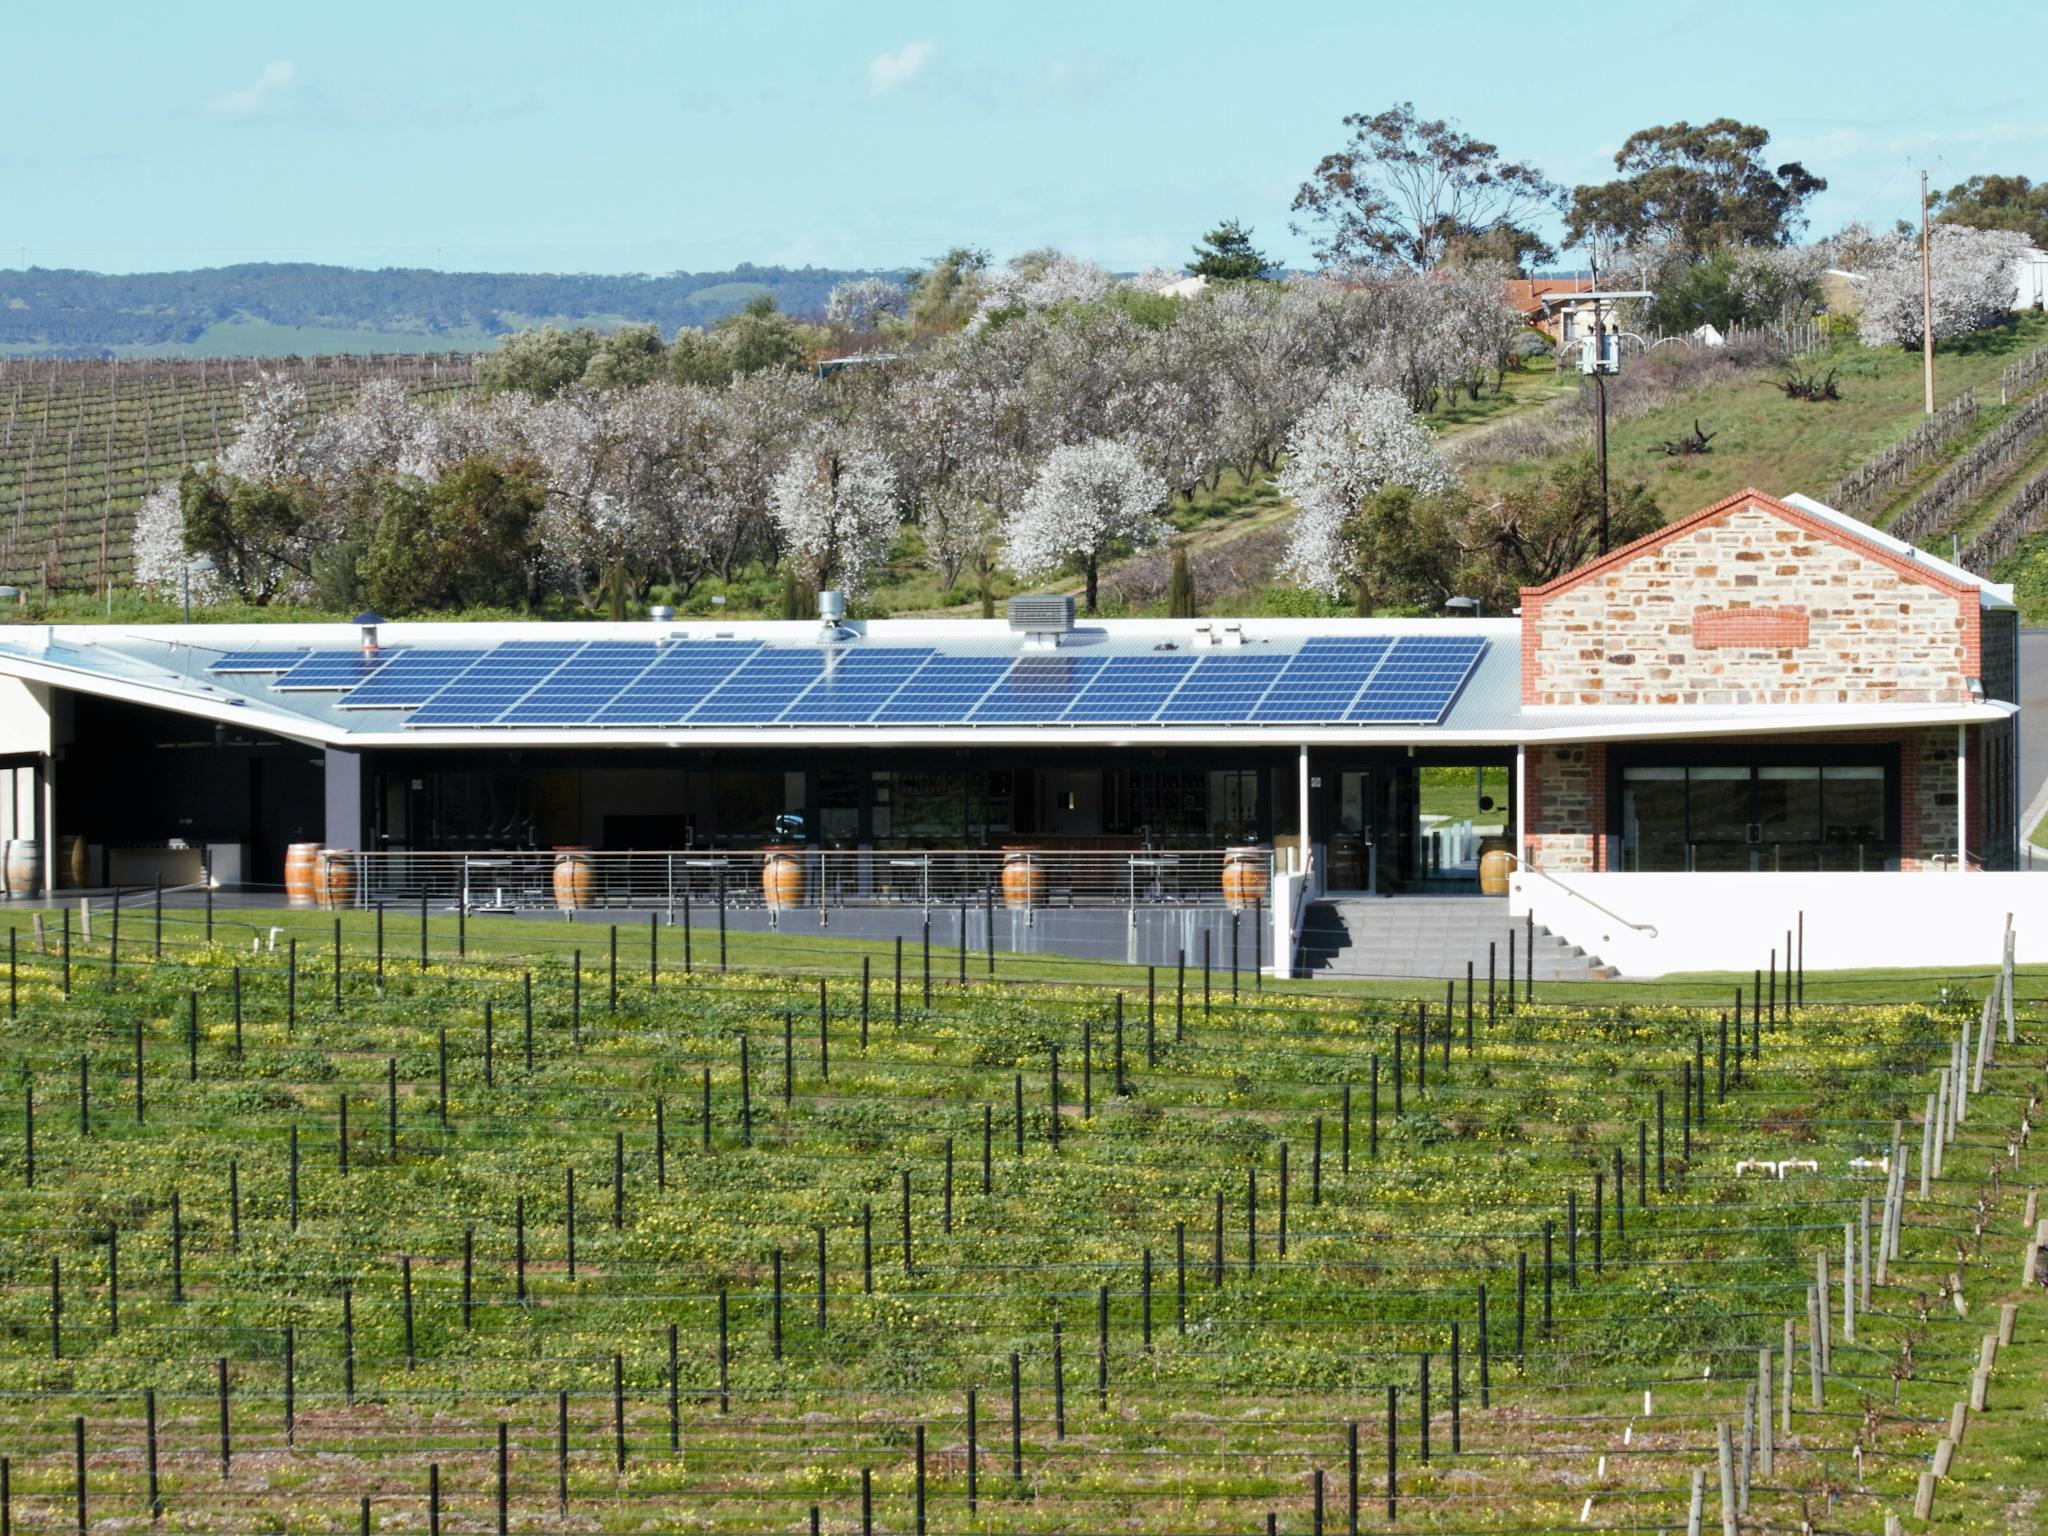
760, 688
1321, 679
1222, 689
855, 684
259, 661
1128, 690
943, 691
1036, 689
497, 682
1417, 680
583, 684
682, 674
336, 669
411, 679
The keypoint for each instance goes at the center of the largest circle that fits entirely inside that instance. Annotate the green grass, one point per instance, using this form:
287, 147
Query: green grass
1206, 1430
1778, 445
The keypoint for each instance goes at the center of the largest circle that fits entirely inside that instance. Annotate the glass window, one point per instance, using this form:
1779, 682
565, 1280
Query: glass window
1852, 818
1653, 818
1719, 821
838, 808
1788, 804
1233, 807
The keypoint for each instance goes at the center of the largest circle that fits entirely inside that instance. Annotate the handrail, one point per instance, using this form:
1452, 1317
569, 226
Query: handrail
1301, 904
1644, 928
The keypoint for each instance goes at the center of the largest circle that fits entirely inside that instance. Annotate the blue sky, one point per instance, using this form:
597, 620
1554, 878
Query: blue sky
694, 134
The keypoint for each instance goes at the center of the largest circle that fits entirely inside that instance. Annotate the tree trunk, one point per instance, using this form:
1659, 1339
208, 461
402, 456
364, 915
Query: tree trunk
1091, 584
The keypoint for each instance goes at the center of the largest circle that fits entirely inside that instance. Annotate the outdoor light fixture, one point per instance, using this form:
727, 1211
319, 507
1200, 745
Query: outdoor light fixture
198, 565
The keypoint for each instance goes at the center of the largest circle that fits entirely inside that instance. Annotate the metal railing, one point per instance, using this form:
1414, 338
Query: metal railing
777, 878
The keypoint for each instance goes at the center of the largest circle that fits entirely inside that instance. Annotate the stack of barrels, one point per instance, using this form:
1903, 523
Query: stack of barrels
318, 877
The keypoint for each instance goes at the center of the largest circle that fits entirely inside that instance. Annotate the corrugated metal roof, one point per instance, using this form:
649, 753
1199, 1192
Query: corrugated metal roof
166, 666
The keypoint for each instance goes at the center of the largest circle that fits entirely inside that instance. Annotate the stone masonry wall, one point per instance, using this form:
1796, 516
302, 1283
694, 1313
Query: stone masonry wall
1749, 603
1565, 791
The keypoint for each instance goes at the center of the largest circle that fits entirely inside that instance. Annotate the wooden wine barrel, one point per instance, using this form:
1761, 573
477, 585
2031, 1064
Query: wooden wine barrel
337, 879
24, 866
1023, 878
72, 863
574, 878
1496, 863
782, 877
1245, 878
301, 874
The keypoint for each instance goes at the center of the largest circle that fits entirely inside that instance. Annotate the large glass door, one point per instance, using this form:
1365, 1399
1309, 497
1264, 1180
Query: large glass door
1351, 841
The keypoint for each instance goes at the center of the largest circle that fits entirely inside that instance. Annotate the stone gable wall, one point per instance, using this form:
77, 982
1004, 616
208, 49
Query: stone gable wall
1671, 623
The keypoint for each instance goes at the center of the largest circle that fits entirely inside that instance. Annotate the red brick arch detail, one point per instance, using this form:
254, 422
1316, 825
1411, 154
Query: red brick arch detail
1770, 629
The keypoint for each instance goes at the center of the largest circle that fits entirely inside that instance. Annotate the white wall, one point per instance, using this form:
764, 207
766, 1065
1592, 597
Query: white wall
1288, 897
1731, 922
24, 716
2030, 280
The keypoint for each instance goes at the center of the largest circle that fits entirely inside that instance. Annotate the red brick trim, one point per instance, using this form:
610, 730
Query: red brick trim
1772, 629
1820, 528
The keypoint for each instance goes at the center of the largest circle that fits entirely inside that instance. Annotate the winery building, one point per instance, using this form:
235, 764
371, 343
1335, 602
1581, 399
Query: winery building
1765, 689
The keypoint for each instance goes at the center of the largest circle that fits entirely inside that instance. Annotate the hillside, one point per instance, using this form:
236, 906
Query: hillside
82, 442
271, 309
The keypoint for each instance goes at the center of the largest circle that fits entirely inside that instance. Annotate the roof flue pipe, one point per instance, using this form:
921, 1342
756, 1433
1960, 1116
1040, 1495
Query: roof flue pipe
367, 622
831, 613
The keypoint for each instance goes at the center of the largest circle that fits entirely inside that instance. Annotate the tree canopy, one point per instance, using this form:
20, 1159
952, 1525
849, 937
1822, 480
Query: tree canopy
1699, 188
1226, 254
1997, 202
1405, 190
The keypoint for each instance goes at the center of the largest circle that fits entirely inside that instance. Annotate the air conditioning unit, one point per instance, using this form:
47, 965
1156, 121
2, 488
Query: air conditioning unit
1042, 619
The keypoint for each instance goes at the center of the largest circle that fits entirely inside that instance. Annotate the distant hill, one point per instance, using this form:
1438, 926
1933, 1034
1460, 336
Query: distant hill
269, 309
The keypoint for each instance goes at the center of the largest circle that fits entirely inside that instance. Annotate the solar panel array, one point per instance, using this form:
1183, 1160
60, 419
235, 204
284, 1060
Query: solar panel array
1355, 680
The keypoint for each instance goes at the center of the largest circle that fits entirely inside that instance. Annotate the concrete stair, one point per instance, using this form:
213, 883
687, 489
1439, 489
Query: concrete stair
1430, 936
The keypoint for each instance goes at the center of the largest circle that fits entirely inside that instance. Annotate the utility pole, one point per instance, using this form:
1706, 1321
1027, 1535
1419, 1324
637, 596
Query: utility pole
1926, 302
1600, 389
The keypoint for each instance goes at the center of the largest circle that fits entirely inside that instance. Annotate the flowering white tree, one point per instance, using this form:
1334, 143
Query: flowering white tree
1971, 272
159, 547
834, 504
366, 438
1355, 441
274, 438
594, 531
1040, 280
860, 303
1087, 501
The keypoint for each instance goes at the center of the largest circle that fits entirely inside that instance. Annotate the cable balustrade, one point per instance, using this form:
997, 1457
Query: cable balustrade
777, 877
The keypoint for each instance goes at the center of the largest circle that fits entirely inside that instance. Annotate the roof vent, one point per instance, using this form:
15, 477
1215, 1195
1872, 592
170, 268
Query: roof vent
661, 613
367, 622
1042, 619
831, 614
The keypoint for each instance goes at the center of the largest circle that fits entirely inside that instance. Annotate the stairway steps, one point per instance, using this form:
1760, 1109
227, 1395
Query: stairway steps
1418, 937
